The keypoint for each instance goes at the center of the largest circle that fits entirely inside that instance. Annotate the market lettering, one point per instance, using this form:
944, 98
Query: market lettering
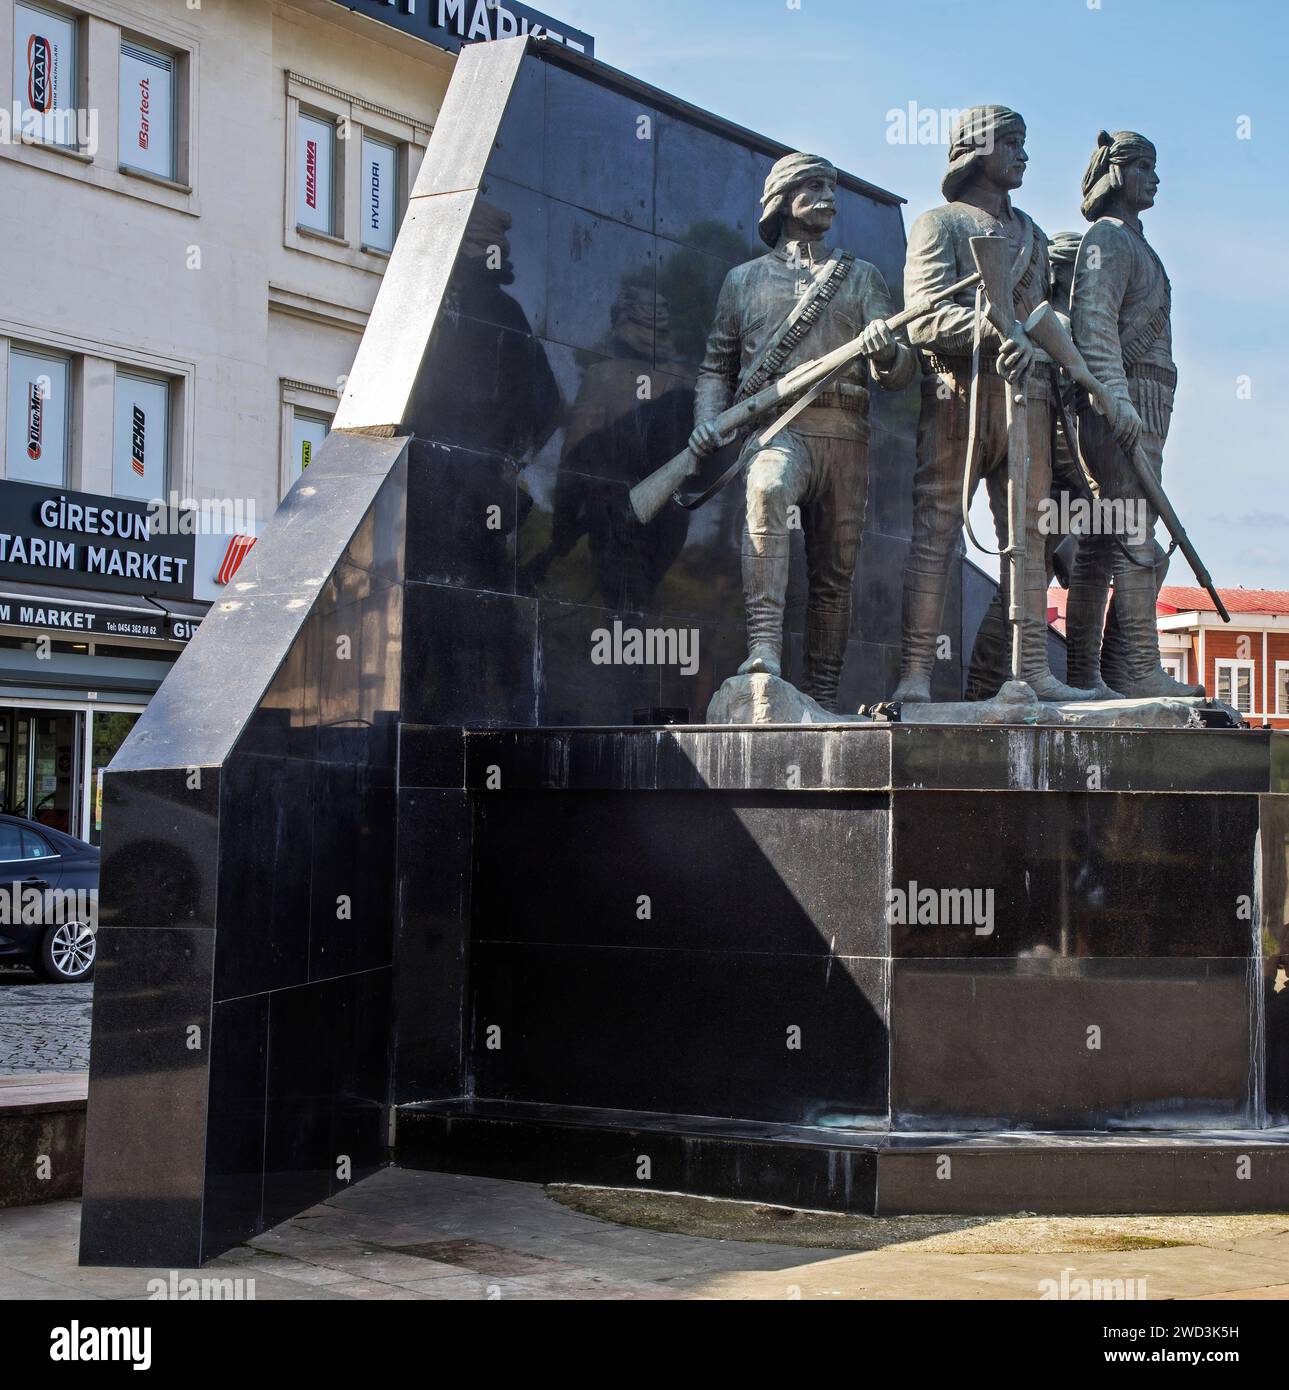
29, 616
134, 564
454, 13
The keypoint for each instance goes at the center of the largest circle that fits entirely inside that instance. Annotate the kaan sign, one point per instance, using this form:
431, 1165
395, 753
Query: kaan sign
451, 23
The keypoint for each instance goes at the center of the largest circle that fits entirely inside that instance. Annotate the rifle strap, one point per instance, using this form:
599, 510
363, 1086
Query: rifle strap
1026, 262
805, 313
973, 423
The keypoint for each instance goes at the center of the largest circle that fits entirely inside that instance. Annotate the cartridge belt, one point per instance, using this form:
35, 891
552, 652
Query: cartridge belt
843, 397
1146, 371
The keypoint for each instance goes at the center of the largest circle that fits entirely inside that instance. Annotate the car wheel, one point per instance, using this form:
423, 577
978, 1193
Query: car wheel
67, 953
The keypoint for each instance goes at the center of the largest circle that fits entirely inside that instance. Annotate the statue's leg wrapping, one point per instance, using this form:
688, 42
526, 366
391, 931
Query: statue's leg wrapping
834, 522
777, 477
1035, 669
1132, 651
1086, 612
1115, 648
937, 521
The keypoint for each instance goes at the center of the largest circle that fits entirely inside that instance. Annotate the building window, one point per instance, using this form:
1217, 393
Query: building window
147, 110
380, 194
44, 73
1282, 687
1173, 666
140, 437
1234, 681
37, 433
315, 204
307, 433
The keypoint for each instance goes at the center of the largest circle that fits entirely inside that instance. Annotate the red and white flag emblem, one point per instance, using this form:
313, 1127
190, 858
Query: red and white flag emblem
239, 547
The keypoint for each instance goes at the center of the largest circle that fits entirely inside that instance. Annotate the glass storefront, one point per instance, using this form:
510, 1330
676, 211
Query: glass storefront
52, 761
106, 736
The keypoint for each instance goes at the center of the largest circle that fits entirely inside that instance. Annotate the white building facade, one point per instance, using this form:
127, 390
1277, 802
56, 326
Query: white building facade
198, 198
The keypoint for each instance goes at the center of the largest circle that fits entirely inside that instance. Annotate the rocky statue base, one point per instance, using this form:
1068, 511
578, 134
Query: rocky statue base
762, 699
1016, 703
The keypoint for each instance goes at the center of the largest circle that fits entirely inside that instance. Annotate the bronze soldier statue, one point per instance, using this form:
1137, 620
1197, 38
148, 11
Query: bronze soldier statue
1122, 323
796, 303
987, 161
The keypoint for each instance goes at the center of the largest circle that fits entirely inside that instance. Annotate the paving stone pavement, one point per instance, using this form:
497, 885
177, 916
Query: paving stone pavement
43, 1028
407, 1235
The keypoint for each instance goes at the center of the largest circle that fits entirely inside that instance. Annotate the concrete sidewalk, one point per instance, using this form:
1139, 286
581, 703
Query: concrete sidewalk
411, 1235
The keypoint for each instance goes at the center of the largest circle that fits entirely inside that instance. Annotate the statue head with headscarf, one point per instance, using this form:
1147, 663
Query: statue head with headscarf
1062, 252
781, 184
985, 139
1113, 162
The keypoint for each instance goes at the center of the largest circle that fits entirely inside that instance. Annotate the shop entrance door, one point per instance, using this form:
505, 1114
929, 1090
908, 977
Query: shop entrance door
40, 753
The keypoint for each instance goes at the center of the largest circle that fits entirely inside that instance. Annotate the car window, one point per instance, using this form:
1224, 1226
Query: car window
10, 841
35, 846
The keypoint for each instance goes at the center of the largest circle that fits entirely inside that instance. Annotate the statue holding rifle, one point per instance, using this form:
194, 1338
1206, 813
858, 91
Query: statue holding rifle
1121, 320
986, 401
800, 302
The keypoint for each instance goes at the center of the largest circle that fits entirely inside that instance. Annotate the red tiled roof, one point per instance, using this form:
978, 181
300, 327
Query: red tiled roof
1175, 598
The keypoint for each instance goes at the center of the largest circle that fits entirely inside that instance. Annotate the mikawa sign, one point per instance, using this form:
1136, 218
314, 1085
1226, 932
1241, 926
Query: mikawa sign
452, 23
82, 541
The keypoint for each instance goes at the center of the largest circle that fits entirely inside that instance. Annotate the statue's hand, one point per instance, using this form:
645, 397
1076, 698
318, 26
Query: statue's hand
878, 343
1015, 355
1126, 424
706, 439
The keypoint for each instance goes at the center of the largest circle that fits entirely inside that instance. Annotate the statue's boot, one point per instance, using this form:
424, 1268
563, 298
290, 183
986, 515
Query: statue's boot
1084, 625
826, 635
765, 585
923, 610
1115, 649
1034, 669
1142, 676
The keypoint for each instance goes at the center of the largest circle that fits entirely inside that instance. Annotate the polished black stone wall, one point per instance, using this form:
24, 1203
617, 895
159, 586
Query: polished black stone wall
653, 913
239, 1064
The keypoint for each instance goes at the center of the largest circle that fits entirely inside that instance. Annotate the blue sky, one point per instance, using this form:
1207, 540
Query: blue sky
822, 76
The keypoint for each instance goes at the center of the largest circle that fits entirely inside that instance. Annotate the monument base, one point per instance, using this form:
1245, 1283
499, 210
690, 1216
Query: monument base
1052, 958
856, 1171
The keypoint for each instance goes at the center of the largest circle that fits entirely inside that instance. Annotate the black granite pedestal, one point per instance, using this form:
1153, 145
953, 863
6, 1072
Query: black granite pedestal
876, 968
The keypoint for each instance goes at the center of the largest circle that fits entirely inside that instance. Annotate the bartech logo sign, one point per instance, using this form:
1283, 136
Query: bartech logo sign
144, 107
35, 421
40, 76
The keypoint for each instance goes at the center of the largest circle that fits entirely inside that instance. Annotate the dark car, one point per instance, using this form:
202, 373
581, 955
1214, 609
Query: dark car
48, 898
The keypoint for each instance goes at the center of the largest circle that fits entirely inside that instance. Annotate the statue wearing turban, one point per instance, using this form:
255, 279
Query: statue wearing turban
819, 464
987, 162
1121, 317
